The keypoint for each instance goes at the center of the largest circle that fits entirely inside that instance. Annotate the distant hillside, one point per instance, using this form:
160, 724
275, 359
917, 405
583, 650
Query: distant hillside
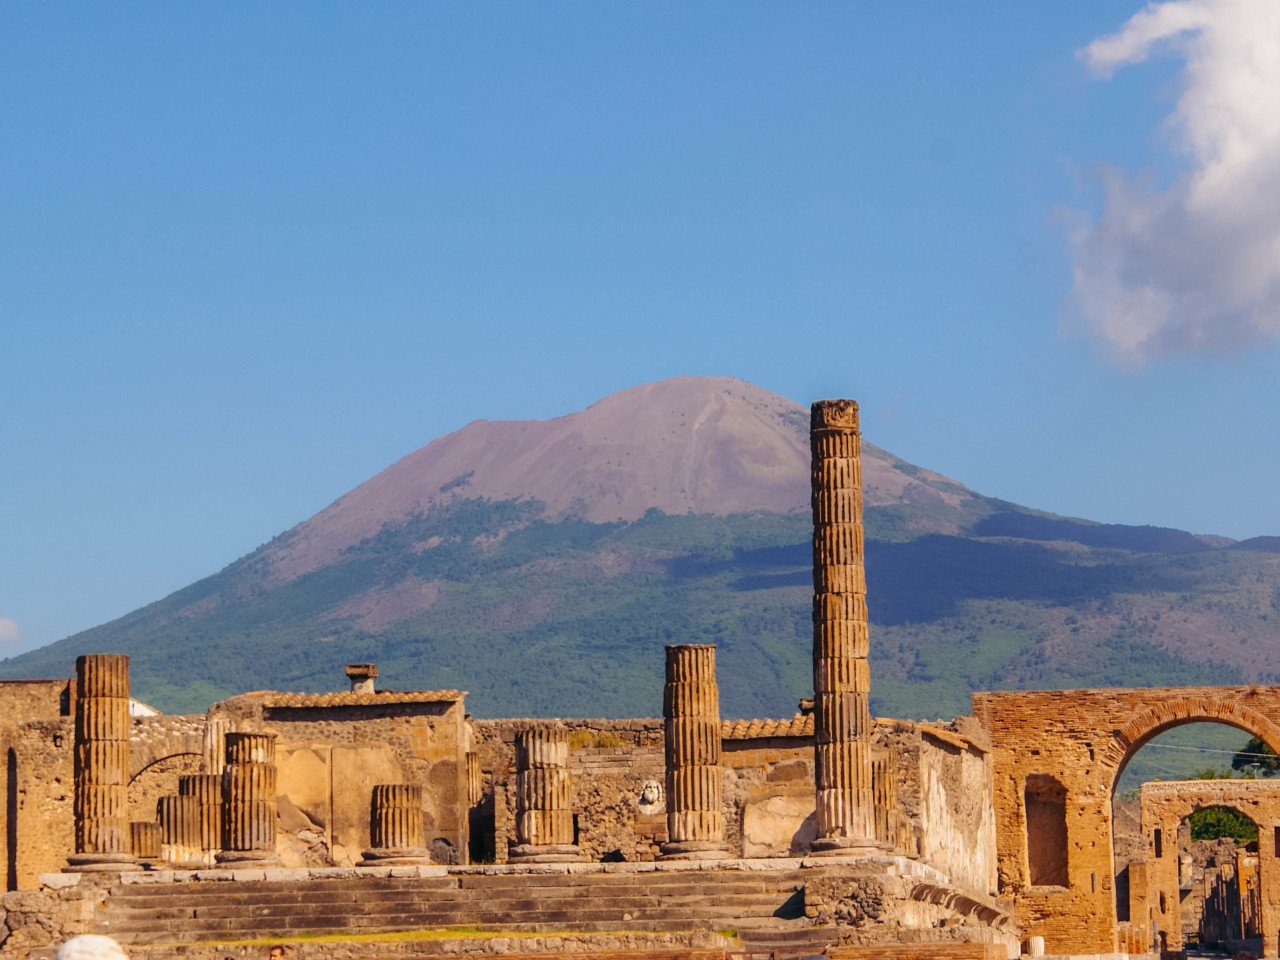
542, 566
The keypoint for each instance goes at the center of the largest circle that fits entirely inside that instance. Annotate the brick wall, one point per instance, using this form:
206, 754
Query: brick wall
1082, 739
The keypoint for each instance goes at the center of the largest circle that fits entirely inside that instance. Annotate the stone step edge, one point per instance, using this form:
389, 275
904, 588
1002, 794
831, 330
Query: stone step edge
882, 865
520, 903
650, 885
638, 945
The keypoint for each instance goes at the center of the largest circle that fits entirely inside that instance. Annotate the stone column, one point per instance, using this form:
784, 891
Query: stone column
207, 789
215, 745
544, 797
475, 780
180, 824
691, 724
101, 770
841, 680
144, 840
884, 780
395, 826
249, 801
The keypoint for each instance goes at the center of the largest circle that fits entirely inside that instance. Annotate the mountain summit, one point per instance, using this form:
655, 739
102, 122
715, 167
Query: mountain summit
700, 445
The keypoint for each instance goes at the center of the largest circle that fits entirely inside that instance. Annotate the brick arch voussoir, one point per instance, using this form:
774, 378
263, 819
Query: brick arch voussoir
1130, 738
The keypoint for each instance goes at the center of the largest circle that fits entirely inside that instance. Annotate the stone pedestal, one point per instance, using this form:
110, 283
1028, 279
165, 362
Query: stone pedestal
207, 789
101, 770
249, 801
544, 797
841, 681
395, 826
691, 724
180, 822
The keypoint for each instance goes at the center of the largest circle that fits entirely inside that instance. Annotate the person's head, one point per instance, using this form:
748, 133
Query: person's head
91, 946
276, 953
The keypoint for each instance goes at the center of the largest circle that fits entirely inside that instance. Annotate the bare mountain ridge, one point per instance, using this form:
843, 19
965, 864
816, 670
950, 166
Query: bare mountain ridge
701, 445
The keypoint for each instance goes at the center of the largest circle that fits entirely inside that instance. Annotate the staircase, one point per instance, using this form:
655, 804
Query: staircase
765, 907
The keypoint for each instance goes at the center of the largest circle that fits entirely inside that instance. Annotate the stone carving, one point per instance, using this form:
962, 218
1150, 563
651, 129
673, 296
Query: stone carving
395, 826
101, 766
651, 798
249, 801
691, 723
544, 797
841, 679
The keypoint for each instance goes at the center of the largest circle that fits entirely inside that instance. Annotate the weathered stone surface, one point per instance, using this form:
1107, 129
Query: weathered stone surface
396, 826
544, 796
248, 802
101, 765
691, 726
845, 798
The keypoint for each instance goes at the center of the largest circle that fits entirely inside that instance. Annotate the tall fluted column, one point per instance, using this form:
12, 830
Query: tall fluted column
179, 818
841, 680
544, 797
691, 723
249, 800
395, 826
207, 789
101, 770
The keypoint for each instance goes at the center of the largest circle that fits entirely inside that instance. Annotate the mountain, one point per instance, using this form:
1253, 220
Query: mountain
700, 445
542, 565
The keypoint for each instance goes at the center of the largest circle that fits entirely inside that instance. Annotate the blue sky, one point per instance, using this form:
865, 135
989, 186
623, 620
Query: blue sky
250, 254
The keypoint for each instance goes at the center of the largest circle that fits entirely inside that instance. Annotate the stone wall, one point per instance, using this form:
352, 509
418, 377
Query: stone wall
22, 701
943, 790
957, 830
42, 811
1075, 743
329, 758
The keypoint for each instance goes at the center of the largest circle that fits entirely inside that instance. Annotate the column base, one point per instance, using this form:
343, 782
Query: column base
695, 850
101, 863
245, 859
544, 853
847, 847
395, 857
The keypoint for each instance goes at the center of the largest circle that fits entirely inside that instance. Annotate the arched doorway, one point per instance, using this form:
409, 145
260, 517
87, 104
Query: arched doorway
1083, 739
1233, 898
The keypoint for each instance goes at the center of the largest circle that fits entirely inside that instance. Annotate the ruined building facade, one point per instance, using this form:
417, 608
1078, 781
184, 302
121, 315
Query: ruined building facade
994, 829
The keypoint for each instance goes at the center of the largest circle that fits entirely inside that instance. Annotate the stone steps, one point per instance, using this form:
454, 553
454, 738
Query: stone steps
209, 910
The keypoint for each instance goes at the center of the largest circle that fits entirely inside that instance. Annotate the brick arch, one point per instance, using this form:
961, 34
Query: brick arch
1135, 734
170, 756
145, 753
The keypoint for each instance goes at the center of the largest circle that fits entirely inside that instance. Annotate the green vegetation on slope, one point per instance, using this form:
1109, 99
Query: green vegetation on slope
569, 618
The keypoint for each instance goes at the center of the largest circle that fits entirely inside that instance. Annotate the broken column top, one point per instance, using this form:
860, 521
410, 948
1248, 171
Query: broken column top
837, 414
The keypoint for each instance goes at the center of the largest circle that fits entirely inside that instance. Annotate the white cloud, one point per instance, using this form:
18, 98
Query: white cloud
9, 632
1194, 267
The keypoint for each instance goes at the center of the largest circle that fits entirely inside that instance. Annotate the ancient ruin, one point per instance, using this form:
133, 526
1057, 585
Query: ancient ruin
370, 811
691, 728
